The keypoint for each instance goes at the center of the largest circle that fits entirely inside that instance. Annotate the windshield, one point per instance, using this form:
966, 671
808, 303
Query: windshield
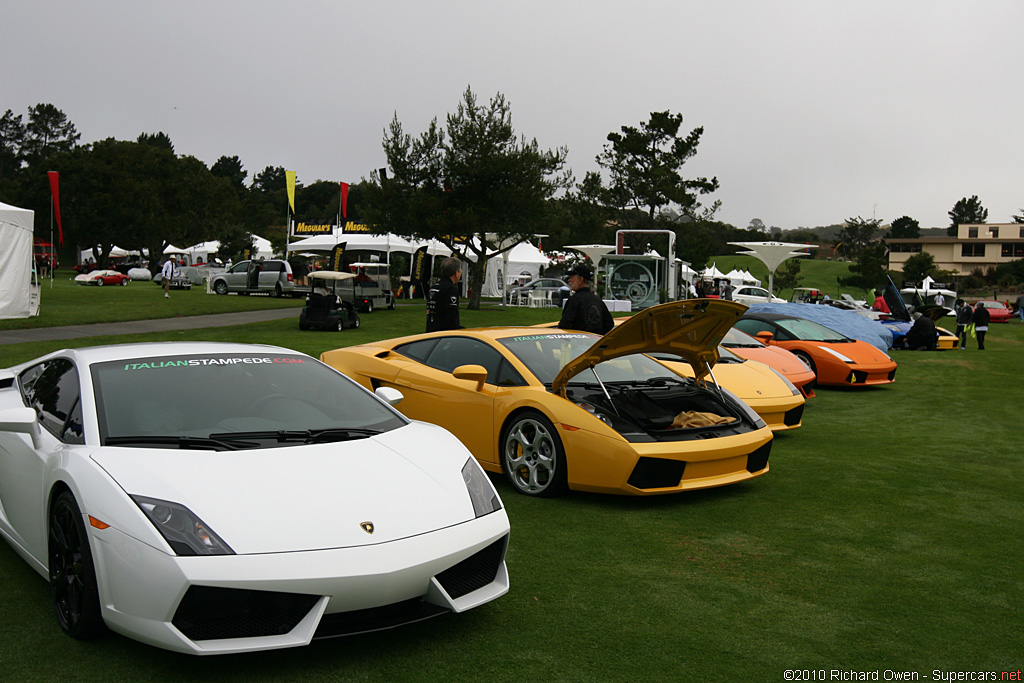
546, 354
809, 330
734, 339
203, 396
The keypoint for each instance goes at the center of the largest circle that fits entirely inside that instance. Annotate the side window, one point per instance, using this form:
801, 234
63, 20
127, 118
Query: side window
451, 352
417, 350
52, 389
240, 267
507, 376
752, 327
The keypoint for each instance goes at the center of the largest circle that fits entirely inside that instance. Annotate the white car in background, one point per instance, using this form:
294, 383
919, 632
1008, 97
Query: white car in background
755, 295
217, 498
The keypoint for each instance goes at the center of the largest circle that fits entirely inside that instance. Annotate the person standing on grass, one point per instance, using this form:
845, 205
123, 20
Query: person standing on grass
584, 311
443, 298
1020, 306
167, 273
980, 318
963, 317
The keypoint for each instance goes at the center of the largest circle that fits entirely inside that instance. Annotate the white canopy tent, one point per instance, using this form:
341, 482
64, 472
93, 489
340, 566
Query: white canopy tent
521, 261
16, 286
367, 242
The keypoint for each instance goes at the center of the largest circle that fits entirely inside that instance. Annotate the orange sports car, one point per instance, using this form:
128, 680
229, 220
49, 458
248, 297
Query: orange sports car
835, 358
786, 362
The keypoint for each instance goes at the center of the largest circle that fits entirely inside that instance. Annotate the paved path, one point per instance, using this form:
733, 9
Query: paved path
193, 322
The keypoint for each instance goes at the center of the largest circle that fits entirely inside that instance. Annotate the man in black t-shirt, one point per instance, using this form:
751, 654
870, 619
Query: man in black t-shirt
443, 298
584, 311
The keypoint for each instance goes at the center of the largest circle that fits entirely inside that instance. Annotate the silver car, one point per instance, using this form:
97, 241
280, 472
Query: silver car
271, 276
550, 286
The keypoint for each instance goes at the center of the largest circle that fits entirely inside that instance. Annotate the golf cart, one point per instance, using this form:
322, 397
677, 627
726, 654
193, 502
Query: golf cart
329, 302
372, 286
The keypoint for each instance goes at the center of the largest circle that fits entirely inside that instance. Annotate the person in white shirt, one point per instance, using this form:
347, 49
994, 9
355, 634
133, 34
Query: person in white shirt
167, 273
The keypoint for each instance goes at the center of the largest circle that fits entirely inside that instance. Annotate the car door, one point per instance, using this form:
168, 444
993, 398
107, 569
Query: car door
52, 389
433, 394
236, 276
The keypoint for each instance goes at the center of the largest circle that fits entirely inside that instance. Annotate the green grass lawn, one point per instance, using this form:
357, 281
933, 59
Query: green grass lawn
888, 535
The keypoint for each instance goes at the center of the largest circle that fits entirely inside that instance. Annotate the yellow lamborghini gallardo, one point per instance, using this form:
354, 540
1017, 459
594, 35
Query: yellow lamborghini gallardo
556, 409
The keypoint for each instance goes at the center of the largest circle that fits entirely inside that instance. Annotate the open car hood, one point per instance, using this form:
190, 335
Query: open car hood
691, 329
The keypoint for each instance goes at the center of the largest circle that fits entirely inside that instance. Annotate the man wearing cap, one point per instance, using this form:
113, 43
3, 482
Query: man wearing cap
167, 272
584, 311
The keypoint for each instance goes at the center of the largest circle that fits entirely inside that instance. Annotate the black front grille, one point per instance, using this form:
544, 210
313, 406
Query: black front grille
758, 460
208, 613
474, 572
892, 374
656, 473
858, 377
792, 417
377, 618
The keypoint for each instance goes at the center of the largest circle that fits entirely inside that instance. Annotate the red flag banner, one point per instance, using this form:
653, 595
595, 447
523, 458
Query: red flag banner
55, 191
344, 200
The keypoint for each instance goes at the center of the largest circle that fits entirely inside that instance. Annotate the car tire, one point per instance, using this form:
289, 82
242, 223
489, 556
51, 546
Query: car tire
278, 292
124, 282
532, 456
369, 307
72, 572
220, 287
806, 359
355, 321
99, 282
339, 326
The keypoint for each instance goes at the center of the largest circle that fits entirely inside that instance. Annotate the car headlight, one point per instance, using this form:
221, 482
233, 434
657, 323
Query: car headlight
836, 354
181, 528
792, 387
485, 498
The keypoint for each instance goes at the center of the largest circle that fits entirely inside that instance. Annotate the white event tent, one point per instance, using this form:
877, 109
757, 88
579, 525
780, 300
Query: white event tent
16, 300
521, 262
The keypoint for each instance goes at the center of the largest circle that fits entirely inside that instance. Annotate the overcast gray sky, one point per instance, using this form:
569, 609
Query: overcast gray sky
813, 110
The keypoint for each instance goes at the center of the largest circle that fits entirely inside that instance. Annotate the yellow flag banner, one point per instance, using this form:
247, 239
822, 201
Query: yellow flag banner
289, 177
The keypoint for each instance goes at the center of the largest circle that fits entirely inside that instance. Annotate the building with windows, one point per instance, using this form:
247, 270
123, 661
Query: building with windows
977, 246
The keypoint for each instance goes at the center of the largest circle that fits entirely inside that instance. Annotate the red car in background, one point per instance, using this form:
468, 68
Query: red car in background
102, 277
998, 312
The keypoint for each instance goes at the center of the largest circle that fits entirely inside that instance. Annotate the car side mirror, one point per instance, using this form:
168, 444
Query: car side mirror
23, 421
389, 395
765, 337
475, 373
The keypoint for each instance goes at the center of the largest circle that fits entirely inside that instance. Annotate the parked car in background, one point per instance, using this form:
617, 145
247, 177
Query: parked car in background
998, 312
755, 295
547, 286
269, 276
775, 357
835, 358
101, 278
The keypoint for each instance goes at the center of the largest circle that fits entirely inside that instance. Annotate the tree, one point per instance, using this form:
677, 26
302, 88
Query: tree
1019, 219
787, 275
47, 132
869, 272
159, 140
905, 227
12, 139
645, 164
966, 211
473, 184
231, 169
918, 267
857, 234
757, 225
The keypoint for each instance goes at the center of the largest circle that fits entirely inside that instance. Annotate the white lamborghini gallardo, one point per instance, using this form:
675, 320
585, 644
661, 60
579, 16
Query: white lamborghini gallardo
215, 498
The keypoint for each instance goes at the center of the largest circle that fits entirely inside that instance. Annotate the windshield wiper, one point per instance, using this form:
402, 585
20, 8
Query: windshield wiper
212, 442
303, 435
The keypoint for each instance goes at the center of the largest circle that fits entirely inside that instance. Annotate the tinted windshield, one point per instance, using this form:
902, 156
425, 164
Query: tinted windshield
203, 394
809, 330
546, 354
736, 339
